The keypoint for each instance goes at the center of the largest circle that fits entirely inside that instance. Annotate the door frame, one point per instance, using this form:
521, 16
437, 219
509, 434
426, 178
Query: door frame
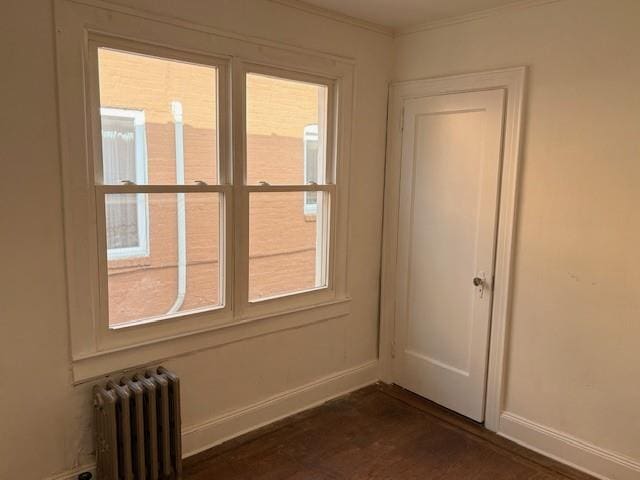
513, 81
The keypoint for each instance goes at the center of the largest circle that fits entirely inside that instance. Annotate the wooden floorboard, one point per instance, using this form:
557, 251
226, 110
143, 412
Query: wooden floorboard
379, 432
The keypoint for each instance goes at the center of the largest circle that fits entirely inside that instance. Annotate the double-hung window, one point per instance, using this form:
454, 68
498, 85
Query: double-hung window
159, 187
209, 192
288, 251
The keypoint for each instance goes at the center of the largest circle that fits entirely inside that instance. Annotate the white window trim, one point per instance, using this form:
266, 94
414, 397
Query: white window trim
96, 349
310, 134
326, 263
119, 336
142, 207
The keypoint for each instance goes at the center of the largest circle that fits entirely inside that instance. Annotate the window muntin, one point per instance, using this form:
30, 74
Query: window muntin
161, 210
289, 216
278, 110
124, 155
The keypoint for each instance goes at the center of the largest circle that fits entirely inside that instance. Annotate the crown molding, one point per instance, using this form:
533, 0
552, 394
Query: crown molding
400, 31
336, 16
470, 17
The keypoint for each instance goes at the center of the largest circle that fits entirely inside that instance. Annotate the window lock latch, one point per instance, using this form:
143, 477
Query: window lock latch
201, 182
264, 184
128, 182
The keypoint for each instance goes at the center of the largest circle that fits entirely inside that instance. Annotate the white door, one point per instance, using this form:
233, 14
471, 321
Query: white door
451, 150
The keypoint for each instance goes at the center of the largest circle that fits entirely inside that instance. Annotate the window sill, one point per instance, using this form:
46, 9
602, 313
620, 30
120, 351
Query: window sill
100, 364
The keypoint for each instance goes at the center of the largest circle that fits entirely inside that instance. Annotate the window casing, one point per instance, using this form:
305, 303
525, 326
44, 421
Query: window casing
97, 346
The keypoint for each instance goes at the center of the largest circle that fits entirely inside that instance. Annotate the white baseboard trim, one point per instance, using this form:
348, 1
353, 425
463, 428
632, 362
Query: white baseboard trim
567, 449
201, 437
558, 445
198, 438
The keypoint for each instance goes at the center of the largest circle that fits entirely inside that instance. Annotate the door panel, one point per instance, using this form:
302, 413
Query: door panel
449, 191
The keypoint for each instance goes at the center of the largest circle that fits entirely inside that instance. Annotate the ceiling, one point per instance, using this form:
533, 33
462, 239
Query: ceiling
404, 13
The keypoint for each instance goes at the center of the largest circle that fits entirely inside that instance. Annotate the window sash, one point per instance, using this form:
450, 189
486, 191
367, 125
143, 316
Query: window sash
290, 188
244, 308
223, 120
327, 148
111, 331
102, 189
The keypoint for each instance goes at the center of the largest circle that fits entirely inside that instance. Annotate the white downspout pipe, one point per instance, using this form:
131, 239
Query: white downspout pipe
176, 111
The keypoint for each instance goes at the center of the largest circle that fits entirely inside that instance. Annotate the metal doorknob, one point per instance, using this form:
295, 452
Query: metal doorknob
477, 281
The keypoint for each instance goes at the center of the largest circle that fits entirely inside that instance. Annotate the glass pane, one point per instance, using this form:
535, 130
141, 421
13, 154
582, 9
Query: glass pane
163, 254
287, 246
159, 119
286, 123
119, 148
124, 222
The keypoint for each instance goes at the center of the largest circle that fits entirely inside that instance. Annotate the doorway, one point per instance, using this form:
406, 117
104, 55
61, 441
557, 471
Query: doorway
449, 216
451, 149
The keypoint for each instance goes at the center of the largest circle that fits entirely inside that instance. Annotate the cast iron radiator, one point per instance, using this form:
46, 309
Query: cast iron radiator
138, 427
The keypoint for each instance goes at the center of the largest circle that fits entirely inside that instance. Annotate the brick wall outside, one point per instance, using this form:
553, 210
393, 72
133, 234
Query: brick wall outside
282, 238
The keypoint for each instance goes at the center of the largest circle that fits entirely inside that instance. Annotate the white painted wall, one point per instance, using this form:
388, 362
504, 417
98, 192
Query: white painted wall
45, 421
574, 361
574, 356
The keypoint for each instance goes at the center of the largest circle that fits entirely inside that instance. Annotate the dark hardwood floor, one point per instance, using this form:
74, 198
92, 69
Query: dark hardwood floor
379, 432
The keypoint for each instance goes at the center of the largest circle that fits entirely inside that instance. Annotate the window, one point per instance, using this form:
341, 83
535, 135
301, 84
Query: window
311, 145
161, 134
124, 159
208, 191
285, 136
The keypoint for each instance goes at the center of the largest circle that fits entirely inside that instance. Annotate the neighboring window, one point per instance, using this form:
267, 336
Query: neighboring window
124, 159
310, 167
159, 187
285, 128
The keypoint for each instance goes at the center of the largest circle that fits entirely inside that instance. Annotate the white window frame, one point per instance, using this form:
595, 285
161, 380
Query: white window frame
142, 208
310, 134
153, 328
97, 349
326, 259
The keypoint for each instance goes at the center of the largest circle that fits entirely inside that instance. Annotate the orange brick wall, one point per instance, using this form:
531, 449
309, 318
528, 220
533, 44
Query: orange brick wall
282, 238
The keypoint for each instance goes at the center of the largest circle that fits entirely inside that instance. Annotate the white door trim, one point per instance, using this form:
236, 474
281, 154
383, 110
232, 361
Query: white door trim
513, 81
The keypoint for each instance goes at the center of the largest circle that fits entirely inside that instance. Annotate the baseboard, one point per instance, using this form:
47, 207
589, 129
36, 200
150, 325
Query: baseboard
198, 438
567, 449
201, 437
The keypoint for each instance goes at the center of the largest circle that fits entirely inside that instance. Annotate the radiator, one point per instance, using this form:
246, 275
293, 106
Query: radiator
138, 427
